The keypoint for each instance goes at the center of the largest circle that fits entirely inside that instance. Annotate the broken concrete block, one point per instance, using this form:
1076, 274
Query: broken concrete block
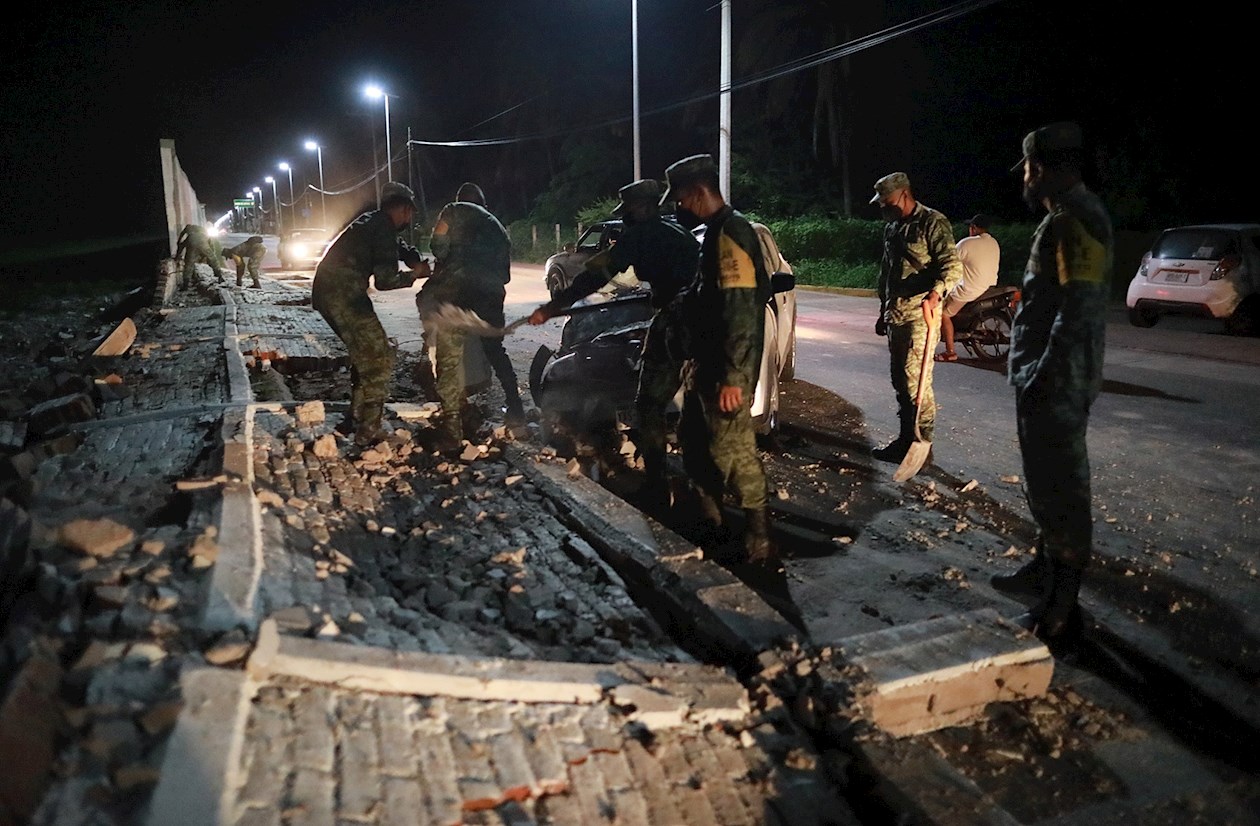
652, 707
95, 537
119, 341
309, 413
12, 436
943, 672
45, 417
325, 447
29, 721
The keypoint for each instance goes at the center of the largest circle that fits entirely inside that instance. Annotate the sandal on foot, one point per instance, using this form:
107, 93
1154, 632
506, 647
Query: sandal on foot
946, 356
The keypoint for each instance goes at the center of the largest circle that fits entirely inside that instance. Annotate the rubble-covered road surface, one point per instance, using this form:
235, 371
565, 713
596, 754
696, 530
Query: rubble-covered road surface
217, 611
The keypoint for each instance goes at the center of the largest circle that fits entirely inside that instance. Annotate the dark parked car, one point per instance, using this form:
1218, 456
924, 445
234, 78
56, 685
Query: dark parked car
590, 381
565, 265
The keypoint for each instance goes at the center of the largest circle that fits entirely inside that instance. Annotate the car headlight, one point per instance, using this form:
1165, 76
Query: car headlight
298, 249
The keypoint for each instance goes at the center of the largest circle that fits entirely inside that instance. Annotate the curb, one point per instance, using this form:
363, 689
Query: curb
201, 768
859, 292
725, 614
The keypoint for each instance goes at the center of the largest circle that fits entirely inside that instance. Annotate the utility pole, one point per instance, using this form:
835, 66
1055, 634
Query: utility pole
634, 38
724, 127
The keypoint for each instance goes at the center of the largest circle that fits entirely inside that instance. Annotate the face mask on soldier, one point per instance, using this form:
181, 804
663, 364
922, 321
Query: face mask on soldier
688, 219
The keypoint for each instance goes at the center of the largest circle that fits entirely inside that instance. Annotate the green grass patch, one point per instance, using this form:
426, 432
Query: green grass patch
832, 273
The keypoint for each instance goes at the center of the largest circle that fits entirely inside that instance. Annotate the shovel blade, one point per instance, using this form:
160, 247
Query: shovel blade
913, 461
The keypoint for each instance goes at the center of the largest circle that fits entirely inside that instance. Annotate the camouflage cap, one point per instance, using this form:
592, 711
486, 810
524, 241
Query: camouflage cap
889, 184
646, 191
394, 193
689, 169
1051, 141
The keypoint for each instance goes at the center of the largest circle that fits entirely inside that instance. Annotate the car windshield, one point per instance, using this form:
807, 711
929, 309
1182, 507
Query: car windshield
307, 235
590, 238
1196, 244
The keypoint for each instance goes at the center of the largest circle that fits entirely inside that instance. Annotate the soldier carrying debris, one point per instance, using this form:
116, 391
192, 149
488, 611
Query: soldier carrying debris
247, 255
368, 247
195, 247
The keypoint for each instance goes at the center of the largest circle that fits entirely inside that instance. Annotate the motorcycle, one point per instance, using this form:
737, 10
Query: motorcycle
983, 326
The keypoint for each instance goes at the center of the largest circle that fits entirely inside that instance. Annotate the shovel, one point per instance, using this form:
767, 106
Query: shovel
920, 447
454, 319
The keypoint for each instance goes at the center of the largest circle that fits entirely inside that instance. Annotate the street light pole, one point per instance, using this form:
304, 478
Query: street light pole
284, 167
323, 204
724, 127
634, 36
258, 192
275, 201
373, 91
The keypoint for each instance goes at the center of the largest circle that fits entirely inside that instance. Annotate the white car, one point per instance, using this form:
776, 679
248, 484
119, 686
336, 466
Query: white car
1206, 270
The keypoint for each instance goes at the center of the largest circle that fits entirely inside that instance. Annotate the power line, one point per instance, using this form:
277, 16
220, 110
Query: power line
784, 69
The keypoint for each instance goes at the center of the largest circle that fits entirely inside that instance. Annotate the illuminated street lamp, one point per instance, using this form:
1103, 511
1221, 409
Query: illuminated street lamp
284, 167
258, 191
275, 199
312, 146
373, 91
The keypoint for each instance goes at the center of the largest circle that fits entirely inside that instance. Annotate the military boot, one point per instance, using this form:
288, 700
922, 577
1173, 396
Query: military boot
514, 415
1031, 580
1057, 617
710, 518
894, 451
758, 546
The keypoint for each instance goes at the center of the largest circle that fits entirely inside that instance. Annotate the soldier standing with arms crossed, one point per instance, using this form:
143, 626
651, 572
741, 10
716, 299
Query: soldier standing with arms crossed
724, 310
665, 255
920, 264
1055, 364
368, 247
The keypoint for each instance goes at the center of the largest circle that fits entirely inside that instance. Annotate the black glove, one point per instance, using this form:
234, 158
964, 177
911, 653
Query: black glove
881, 326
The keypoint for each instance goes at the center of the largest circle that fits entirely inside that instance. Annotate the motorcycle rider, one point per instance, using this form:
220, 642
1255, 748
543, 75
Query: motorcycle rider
980, 254
664, 255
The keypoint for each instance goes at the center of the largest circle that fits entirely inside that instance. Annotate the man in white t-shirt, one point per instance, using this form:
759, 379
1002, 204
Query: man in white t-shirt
979, 254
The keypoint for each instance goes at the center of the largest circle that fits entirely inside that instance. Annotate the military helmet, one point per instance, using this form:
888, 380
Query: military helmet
396, 193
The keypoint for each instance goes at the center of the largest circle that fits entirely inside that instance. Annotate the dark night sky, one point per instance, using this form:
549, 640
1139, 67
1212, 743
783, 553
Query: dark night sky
89, 88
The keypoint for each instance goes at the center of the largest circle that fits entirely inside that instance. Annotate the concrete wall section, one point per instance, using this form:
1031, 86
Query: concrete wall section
182, 206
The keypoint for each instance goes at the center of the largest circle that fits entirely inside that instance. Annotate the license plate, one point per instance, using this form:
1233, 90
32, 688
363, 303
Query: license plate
1176, 277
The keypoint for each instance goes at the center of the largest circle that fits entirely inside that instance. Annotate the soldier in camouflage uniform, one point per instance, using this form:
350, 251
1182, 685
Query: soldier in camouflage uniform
195, 247
248, 255
368, 247
1055, 365
474, 265
664, 255
919, 265
724, 310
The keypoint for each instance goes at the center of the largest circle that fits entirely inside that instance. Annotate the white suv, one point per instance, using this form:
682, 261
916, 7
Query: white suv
1207, 270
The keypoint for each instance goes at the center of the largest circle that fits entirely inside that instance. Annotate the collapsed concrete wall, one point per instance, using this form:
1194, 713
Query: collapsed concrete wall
182, 206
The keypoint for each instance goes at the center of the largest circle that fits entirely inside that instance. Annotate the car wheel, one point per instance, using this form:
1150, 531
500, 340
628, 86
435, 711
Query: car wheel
536, 368
555, 283
991, 339
789, 366
1245, 319
1140, 317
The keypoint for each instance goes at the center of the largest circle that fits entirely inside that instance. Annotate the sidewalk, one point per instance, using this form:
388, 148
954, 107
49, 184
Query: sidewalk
284, 630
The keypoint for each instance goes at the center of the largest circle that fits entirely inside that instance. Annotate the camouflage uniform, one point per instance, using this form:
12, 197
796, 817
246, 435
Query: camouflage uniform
474, 261
368, 247
195, 247
919, 256
1055, 364
665, 256
725, 311
248, 254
